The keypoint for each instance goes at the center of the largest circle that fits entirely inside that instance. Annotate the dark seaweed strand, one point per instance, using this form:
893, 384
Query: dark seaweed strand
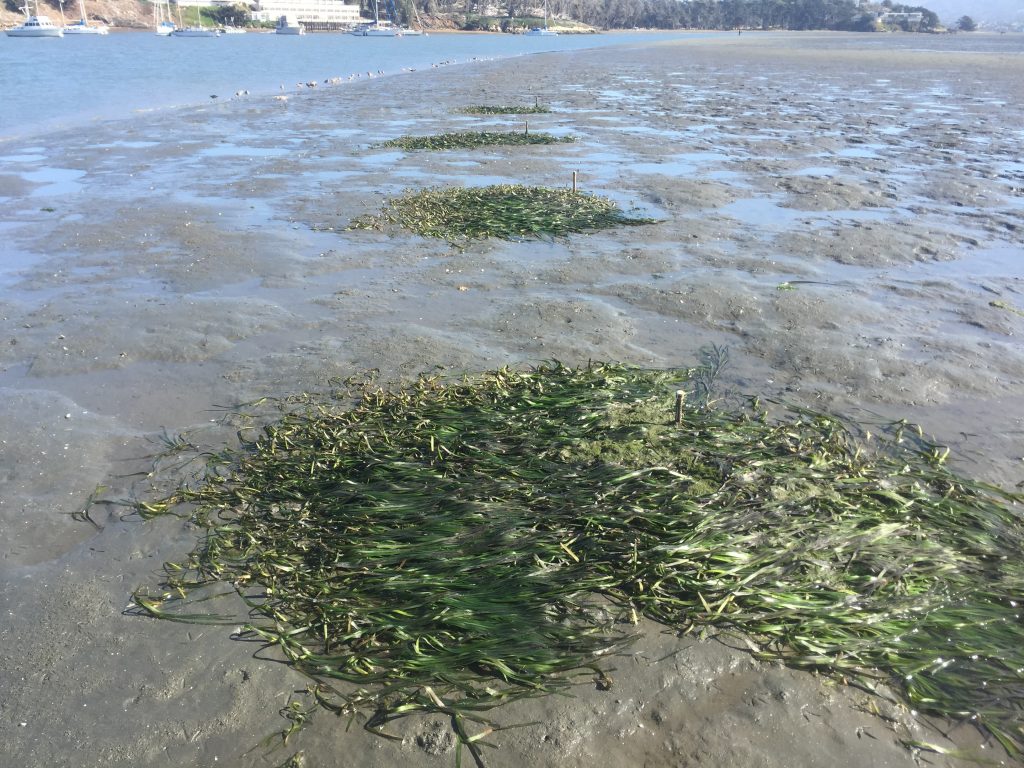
459, 542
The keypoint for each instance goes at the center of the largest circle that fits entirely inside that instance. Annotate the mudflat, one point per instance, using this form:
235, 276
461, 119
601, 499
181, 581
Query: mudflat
842, 212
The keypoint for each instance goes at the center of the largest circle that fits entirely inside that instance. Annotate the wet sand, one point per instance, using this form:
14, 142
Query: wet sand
844, 213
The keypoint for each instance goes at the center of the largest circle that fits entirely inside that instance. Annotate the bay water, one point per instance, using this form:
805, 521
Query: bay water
49, 84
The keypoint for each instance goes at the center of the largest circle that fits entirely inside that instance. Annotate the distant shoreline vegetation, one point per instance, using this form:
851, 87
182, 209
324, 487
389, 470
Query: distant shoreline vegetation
568, 16
839, 15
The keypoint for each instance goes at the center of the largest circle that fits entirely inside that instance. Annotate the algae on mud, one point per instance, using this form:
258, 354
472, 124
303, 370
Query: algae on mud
506, 211
455, 544
505, 109
473, 139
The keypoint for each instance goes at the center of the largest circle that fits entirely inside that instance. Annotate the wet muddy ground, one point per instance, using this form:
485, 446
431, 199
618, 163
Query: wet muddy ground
844, 217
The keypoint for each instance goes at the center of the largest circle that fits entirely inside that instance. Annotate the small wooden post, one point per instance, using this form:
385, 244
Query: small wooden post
527, 127
574, 181
680, 397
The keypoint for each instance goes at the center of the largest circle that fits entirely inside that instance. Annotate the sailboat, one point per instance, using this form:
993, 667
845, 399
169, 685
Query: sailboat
539, 31
36, 26
414, 31
82, 26
378, 28
162, 18
196, 30
231, 29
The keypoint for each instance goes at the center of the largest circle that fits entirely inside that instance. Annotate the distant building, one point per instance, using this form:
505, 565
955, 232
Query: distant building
308, 12
895, 18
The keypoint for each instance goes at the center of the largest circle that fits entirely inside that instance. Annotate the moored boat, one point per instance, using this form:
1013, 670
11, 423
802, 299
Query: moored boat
289, 25
542, 31
194, 32
162, 18
82, 26
35, 26
377, 28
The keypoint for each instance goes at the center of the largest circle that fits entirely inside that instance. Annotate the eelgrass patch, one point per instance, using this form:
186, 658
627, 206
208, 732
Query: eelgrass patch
506, 211
506, 109
473, 140
451, 545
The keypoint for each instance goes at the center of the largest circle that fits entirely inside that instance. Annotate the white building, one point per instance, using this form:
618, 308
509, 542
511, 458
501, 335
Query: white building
332, 12
893, 18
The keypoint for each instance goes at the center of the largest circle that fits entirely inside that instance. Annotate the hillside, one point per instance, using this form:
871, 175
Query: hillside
116, 13
574, 15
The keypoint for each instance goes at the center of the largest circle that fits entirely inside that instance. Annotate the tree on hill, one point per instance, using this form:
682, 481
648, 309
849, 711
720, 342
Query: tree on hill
688, 14
966, 24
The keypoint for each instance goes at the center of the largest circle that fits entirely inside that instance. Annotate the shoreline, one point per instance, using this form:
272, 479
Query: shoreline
843, 229
102, 90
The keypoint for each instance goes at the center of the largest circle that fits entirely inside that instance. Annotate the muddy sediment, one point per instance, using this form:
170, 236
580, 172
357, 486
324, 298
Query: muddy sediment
844, 218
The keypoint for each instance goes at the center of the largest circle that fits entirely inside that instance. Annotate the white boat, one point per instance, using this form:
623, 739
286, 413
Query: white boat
229, 30
289, 25
82, 26
195, 32
36, 26
542, 31
378, 28
162, 18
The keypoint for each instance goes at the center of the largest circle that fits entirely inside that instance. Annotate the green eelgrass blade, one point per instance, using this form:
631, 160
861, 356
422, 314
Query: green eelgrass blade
480, 537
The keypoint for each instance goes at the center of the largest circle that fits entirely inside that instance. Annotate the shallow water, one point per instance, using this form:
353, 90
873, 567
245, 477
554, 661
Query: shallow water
50, 84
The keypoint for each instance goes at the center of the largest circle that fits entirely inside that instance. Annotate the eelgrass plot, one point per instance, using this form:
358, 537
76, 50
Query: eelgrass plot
473, 140
506, 211
451, 545
506, 109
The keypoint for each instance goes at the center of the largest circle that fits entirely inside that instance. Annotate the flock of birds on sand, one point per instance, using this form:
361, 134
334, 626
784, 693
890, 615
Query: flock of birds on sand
340, 80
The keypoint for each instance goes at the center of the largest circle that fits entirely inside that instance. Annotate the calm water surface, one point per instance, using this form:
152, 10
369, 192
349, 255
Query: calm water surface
49, 84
